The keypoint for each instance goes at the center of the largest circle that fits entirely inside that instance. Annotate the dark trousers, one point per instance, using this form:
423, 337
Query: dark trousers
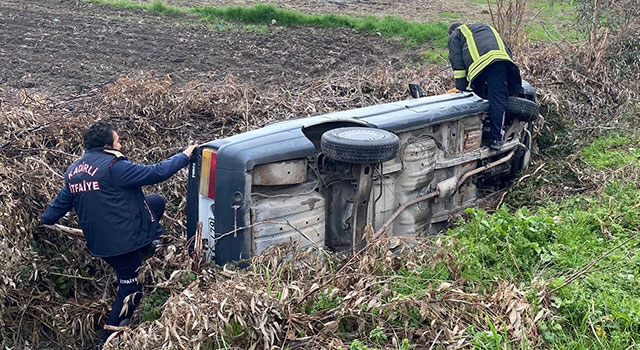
492, 84
126, 268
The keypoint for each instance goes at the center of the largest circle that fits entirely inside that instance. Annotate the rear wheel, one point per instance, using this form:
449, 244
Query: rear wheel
360, 145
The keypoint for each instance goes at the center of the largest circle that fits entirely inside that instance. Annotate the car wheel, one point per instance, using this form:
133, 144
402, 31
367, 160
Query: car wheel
359, 145
522, 109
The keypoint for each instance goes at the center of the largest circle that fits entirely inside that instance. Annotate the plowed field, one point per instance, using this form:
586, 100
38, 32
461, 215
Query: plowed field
60, 47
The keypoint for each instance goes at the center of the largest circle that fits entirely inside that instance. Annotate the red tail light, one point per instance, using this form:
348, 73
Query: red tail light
208, 173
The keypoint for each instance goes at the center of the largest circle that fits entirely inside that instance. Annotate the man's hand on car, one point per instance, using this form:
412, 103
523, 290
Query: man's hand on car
462, 84
189, 150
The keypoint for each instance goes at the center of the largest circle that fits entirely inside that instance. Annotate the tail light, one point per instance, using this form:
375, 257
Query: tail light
208, 173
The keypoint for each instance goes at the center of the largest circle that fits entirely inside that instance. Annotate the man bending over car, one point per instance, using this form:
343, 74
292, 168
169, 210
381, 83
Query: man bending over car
482, 60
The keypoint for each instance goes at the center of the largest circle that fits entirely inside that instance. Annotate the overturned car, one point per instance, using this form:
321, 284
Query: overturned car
405, 168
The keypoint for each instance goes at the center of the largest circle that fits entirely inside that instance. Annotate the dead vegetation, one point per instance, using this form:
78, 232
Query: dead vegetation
305, 299
287, 297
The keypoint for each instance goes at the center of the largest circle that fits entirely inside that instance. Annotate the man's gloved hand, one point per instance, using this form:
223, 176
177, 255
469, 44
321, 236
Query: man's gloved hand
462, 84
452, 91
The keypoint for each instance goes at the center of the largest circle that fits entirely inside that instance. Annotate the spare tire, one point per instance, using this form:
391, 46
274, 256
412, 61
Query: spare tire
522, 109
359, 145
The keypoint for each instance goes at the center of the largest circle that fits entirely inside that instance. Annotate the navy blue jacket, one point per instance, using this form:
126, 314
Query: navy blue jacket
104, 188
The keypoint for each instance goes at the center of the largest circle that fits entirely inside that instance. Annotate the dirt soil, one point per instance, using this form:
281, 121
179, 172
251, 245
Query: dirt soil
61, 46
58, 47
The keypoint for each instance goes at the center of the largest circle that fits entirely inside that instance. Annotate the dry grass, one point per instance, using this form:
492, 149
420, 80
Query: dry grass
269, 304
48, 277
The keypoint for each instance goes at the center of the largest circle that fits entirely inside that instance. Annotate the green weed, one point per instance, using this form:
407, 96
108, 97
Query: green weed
326, 300
504, 245
256, 29
233, 329
189, 278
64, 284
152, 305
357, 345
491, 339
586, 250
159, 7
404, 345
377, 335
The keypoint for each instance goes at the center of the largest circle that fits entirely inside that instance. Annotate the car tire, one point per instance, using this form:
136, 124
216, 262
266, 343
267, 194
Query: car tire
359, 145
522, 109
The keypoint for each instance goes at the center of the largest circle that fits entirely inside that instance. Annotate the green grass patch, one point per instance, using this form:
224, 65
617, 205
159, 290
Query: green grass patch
554, 22
259, 17
256, 29
505, 245
388, 26
157, 7
450, 17
435, 56
584, 249
611, 152
416, 282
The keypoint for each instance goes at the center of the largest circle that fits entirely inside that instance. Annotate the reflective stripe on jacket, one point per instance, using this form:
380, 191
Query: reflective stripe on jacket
473, 47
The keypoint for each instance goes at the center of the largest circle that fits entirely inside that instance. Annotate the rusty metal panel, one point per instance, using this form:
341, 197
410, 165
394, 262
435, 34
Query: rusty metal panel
289, 172
472, 139
298, 218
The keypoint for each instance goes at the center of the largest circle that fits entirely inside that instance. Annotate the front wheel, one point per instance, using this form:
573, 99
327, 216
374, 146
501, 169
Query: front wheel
360, 145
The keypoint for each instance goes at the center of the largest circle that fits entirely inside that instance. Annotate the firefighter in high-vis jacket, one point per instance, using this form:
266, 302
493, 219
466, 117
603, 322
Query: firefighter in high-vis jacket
119, 222
483, 61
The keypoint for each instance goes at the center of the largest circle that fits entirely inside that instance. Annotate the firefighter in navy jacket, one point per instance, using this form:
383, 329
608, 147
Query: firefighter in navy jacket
482, 60
118, 221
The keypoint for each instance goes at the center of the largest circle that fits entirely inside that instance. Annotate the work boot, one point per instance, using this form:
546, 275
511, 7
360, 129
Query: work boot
116, 337
496, 144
